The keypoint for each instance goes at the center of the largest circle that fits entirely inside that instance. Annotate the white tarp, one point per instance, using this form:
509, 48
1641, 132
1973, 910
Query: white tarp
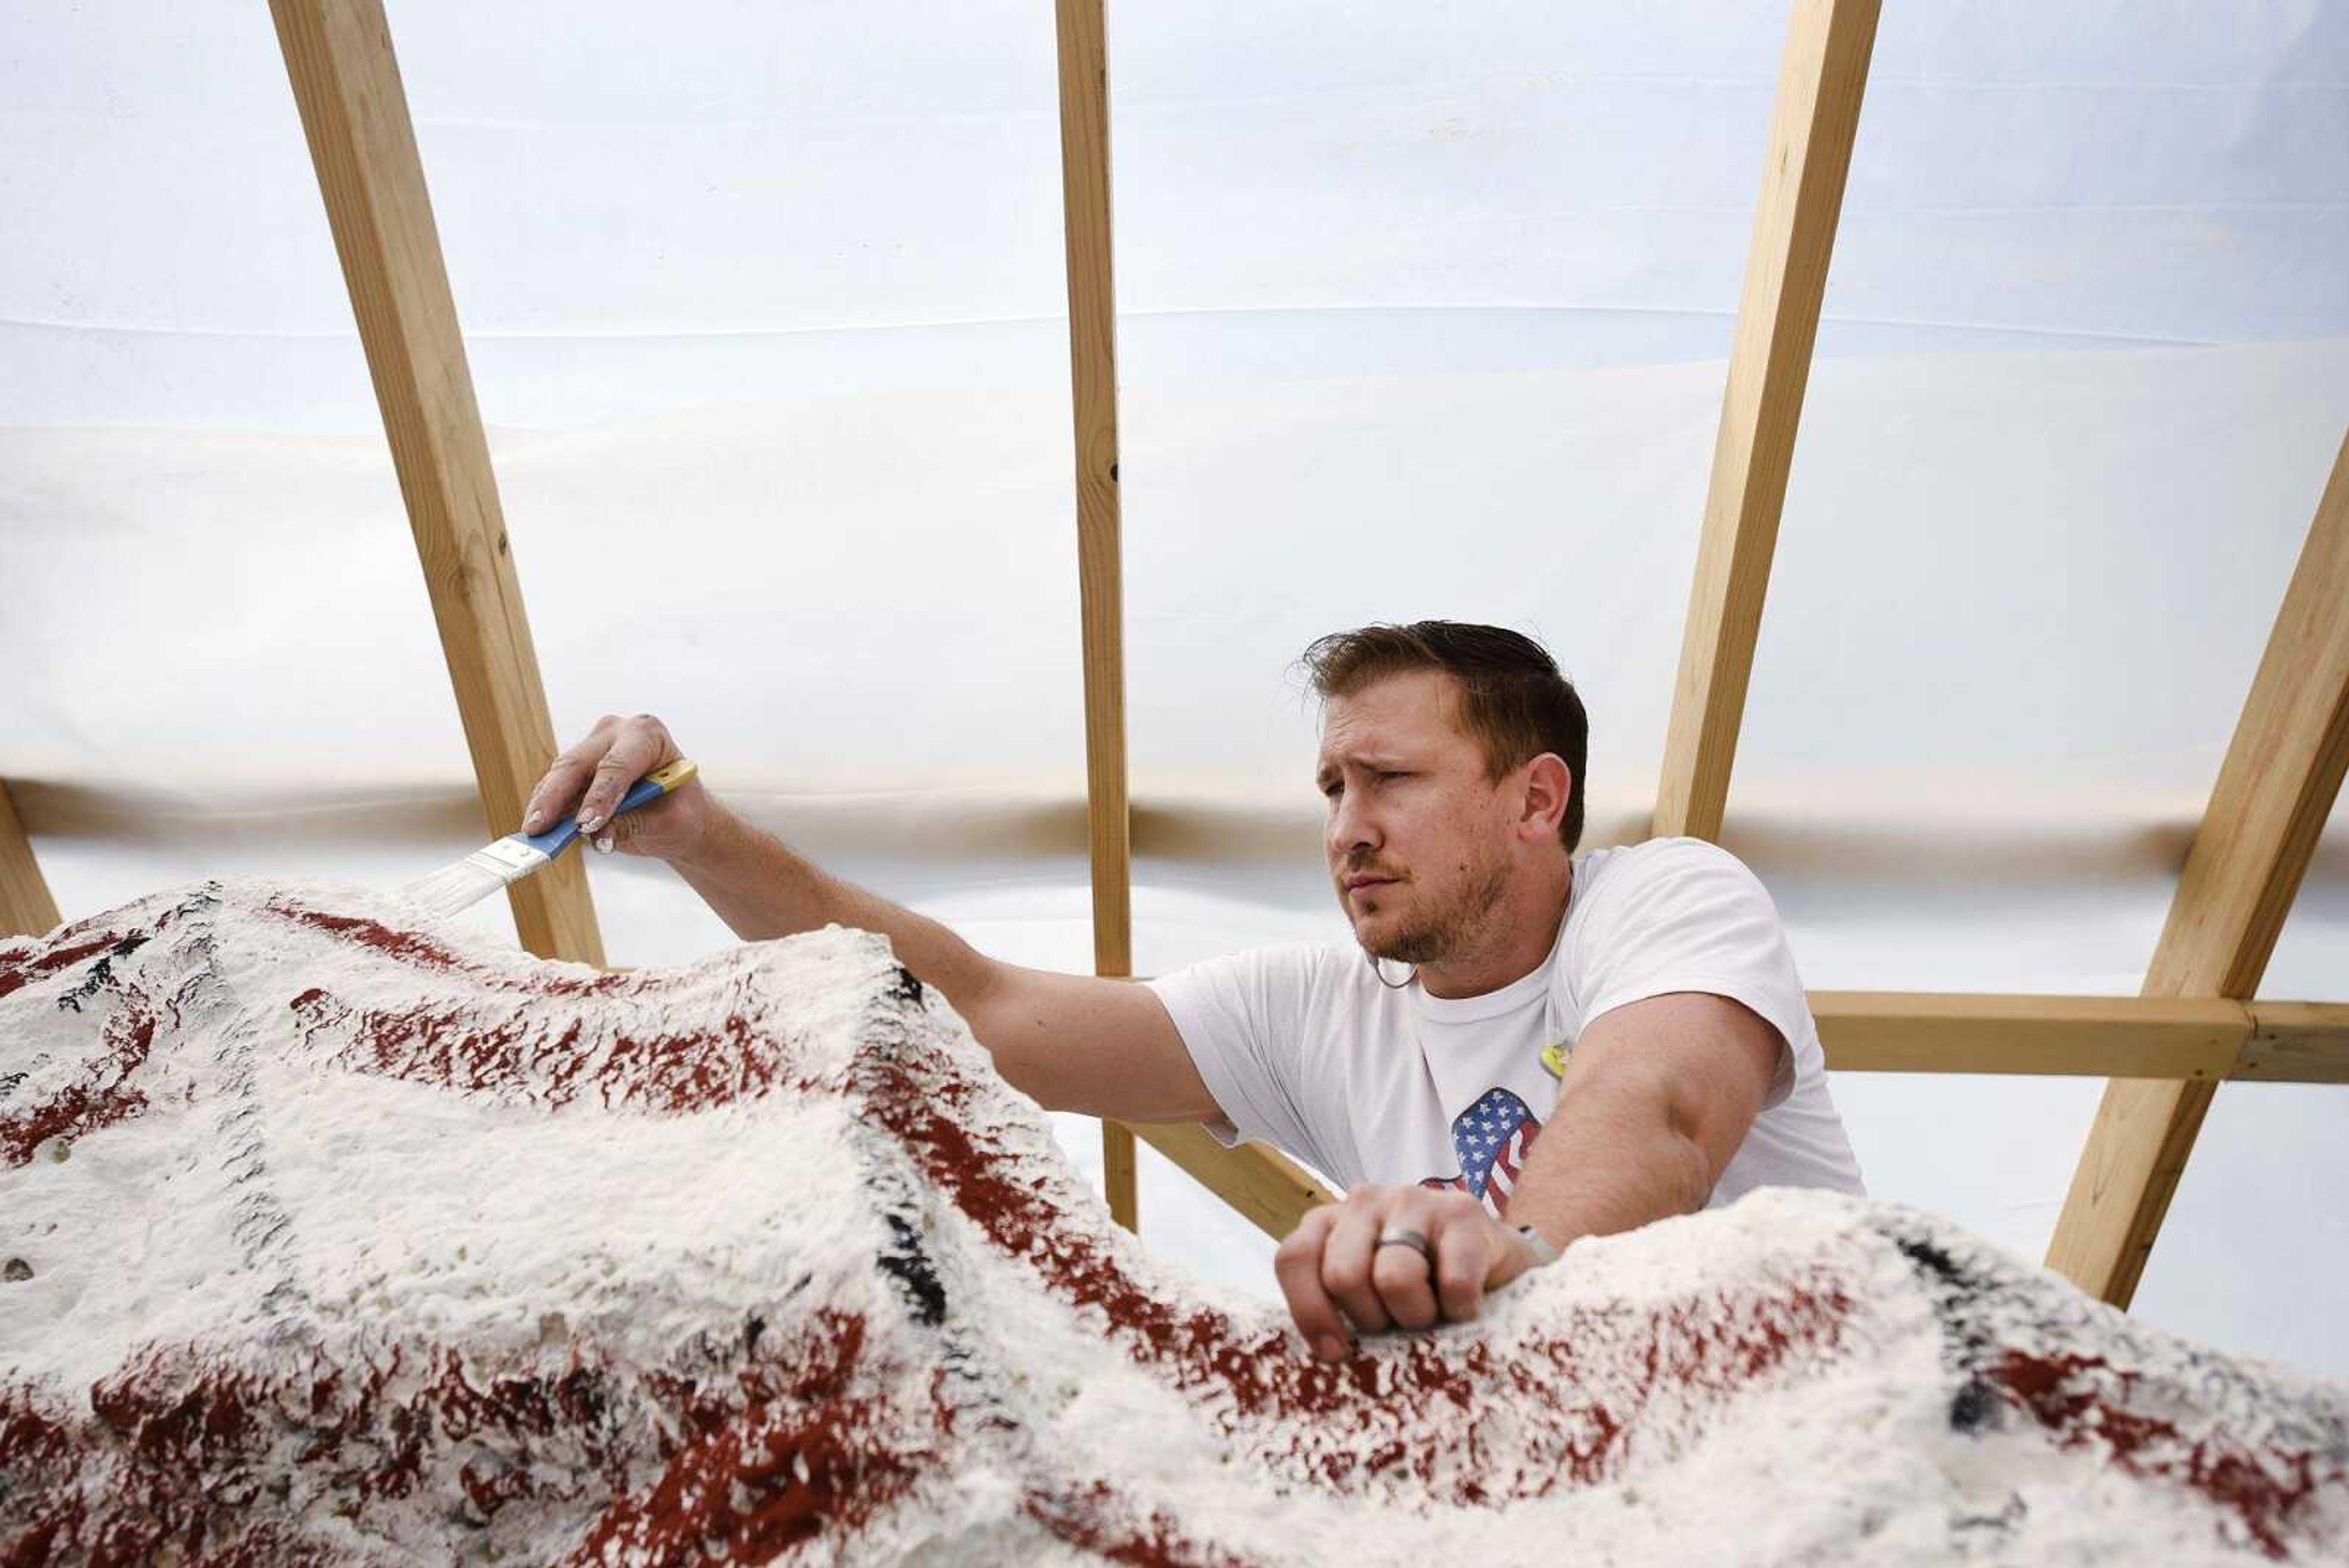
1426, 314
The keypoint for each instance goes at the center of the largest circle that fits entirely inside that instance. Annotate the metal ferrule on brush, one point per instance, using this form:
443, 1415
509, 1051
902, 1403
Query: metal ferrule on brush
509, 859
518, 855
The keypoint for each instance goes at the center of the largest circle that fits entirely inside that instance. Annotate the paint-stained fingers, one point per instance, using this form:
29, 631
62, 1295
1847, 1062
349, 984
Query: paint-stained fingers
1298, 1266
608, 782
620, 833
1346, 1259
639, 746
567, 777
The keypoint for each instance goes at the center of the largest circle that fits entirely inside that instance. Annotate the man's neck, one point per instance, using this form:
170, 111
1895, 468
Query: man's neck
1521, 932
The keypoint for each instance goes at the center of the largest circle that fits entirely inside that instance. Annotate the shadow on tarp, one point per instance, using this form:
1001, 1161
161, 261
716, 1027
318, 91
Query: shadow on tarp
913, 825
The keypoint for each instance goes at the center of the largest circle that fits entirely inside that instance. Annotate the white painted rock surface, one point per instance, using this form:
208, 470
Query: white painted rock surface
327, 1238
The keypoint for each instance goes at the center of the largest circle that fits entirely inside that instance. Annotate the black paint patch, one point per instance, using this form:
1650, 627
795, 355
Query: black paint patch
101, 973
1965, 1344
1975, 1407
910, 1266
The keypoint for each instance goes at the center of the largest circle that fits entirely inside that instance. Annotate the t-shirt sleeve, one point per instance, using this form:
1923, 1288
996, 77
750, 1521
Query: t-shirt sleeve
1687, 915
1242, 1018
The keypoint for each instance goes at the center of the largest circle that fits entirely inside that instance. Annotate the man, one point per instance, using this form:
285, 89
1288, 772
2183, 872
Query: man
1575, 1043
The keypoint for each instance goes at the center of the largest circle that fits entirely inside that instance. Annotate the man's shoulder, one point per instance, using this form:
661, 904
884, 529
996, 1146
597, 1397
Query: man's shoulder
1653, 860
1281, 964
1333, 981
1280, 993
1638, 892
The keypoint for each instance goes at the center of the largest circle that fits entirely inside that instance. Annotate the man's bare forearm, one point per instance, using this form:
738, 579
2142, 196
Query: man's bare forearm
1609, 1160
1657, 1100
762, 888
1071, 1042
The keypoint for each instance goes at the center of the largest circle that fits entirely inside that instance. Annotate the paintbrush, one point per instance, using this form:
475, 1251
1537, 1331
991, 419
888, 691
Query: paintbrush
518, 855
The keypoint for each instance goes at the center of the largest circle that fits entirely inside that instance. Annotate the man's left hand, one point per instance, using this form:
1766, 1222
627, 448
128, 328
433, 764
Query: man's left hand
1334, 1272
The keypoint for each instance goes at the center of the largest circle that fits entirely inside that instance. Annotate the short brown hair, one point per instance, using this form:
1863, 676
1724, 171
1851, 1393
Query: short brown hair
1514, 703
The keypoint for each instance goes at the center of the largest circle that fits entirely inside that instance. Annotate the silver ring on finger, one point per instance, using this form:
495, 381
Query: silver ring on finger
1415, 1240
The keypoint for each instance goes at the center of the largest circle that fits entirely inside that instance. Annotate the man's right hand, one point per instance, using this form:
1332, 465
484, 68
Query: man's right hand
593, 775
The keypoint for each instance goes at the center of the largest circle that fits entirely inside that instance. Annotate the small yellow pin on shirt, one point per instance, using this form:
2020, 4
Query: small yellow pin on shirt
1555, 1057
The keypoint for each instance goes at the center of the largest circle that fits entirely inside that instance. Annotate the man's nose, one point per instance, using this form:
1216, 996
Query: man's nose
1352, 826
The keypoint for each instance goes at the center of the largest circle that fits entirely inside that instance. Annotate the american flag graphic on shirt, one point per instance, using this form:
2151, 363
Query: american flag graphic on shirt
1492, 1139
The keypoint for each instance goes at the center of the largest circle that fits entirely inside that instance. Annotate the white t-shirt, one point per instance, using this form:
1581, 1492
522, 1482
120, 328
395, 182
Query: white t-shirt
1305, 1048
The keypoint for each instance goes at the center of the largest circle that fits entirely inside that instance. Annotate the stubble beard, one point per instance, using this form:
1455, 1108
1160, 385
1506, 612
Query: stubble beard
1444, 930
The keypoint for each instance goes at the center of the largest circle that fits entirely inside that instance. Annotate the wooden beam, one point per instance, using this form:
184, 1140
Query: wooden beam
1820, 83
2276, 789
1092, 386
26, 908
2098, 1036
354, 111
2296, 1043
1272, 1193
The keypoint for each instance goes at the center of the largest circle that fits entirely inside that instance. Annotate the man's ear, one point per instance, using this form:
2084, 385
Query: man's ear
1549, 785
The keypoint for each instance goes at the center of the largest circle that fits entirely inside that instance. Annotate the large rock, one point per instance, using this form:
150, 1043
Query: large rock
331, 1238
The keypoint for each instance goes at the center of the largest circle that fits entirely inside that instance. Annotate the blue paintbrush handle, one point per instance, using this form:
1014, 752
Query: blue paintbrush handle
661, 780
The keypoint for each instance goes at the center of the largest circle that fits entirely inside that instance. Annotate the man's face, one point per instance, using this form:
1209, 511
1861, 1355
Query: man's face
1418, 837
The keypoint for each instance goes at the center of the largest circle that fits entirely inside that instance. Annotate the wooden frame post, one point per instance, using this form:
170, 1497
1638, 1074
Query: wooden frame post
338, 57
2283, 772
1269, 1189
1093, 385
26, 908
1812, 129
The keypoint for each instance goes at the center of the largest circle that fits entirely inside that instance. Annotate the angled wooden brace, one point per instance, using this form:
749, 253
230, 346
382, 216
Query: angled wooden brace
26, 908
2275, 791
355, 116
1812, 129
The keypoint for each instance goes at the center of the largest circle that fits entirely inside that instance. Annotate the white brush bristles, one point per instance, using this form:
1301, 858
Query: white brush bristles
456, 887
